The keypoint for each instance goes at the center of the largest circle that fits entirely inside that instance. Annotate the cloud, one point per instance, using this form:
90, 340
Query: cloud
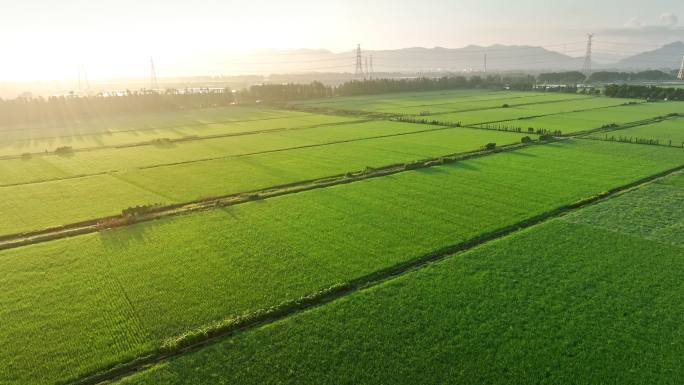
669, 19
634, 22
635, 27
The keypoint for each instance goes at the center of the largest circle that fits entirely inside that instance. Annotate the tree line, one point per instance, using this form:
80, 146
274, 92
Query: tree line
644, 92
576, 77
61, 109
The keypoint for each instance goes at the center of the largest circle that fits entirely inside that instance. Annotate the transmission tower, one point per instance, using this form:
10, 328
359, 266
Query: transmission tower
485, 63
154, 85
680, 76
358, 72
586, 69
366, 72
372, 71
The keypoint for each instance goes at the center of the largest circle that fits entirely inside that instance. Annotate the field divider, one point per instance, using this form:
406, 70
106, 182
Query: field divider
10, 241
209, 334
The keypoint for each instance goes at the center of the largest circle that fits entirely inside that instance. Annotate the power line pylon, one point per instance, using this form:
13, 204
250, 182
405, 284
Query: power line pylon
372, 71
680, 76
358, 72
586, 69
366, 72
485, 63
154, 85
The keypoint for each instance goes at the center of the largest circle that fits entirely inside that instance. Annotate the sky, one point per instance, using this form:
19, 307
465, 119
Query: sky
46, 39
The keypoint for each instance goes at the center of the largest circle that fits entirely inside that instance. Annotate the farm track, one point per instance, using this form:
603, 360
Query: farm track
206, 337
192, 138
10, 241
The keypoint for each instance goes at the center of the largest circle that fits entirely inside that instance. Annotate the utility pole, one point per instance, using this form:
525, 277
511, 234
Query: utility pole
154, 85
680, 76
586, 69
358, 72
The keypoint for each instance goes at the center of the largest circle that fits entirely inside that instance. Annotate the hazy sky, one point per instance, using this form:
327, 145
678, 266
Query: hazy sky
45, 39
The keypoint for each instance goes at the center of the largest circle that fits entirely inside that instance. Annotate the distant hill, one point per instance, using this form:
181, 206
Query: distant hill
668, 56
416, 59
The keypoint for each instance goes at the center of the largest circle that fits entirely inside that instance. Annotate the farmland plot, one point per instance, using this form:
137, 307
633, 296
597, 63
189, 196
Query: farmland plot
39, 205
588, 120
105, 298
593, 297
45, 140
667, 132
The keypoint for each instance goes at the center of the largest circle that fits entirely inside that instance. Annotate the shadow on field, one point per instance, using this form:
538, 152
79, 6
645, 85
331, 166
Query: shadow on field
465, 165
123, 237
525, 154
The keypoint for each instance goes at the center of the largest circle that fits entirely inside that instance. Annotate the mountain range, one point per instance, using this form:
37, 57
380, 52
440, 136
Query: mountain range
467, 59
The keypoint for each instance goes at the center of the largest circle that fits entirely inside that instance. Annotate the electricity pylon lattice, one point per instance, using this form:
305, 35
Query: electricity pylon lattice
586, 69
358, 72
680, 75
154, 85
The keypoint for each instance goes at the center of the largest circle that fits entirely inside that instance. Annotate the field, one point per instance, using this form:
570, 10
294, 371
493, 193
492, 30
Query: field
593, 119
550, 261
535, 307
668, 132
110, 192
97, 133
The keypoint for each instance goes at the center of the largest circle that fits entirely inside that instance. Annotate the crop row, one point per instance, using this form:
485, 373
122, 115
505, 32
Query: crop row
587, 299
39, 205
105, 298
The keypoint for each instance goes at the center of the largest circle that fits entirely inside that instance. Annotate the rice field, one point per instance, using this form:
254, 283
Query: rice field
668, 132
109, 297
591, 295
34, 206
534, 307
588, 120
142, 129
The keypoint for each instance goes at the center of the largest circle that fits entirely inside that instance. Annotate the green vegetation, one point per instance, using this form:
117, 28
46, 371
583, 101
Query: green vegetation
669, 132
136, 129
435, 102
38, 167
587, 298
109, 297
38, 205
587, 120
528, 308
